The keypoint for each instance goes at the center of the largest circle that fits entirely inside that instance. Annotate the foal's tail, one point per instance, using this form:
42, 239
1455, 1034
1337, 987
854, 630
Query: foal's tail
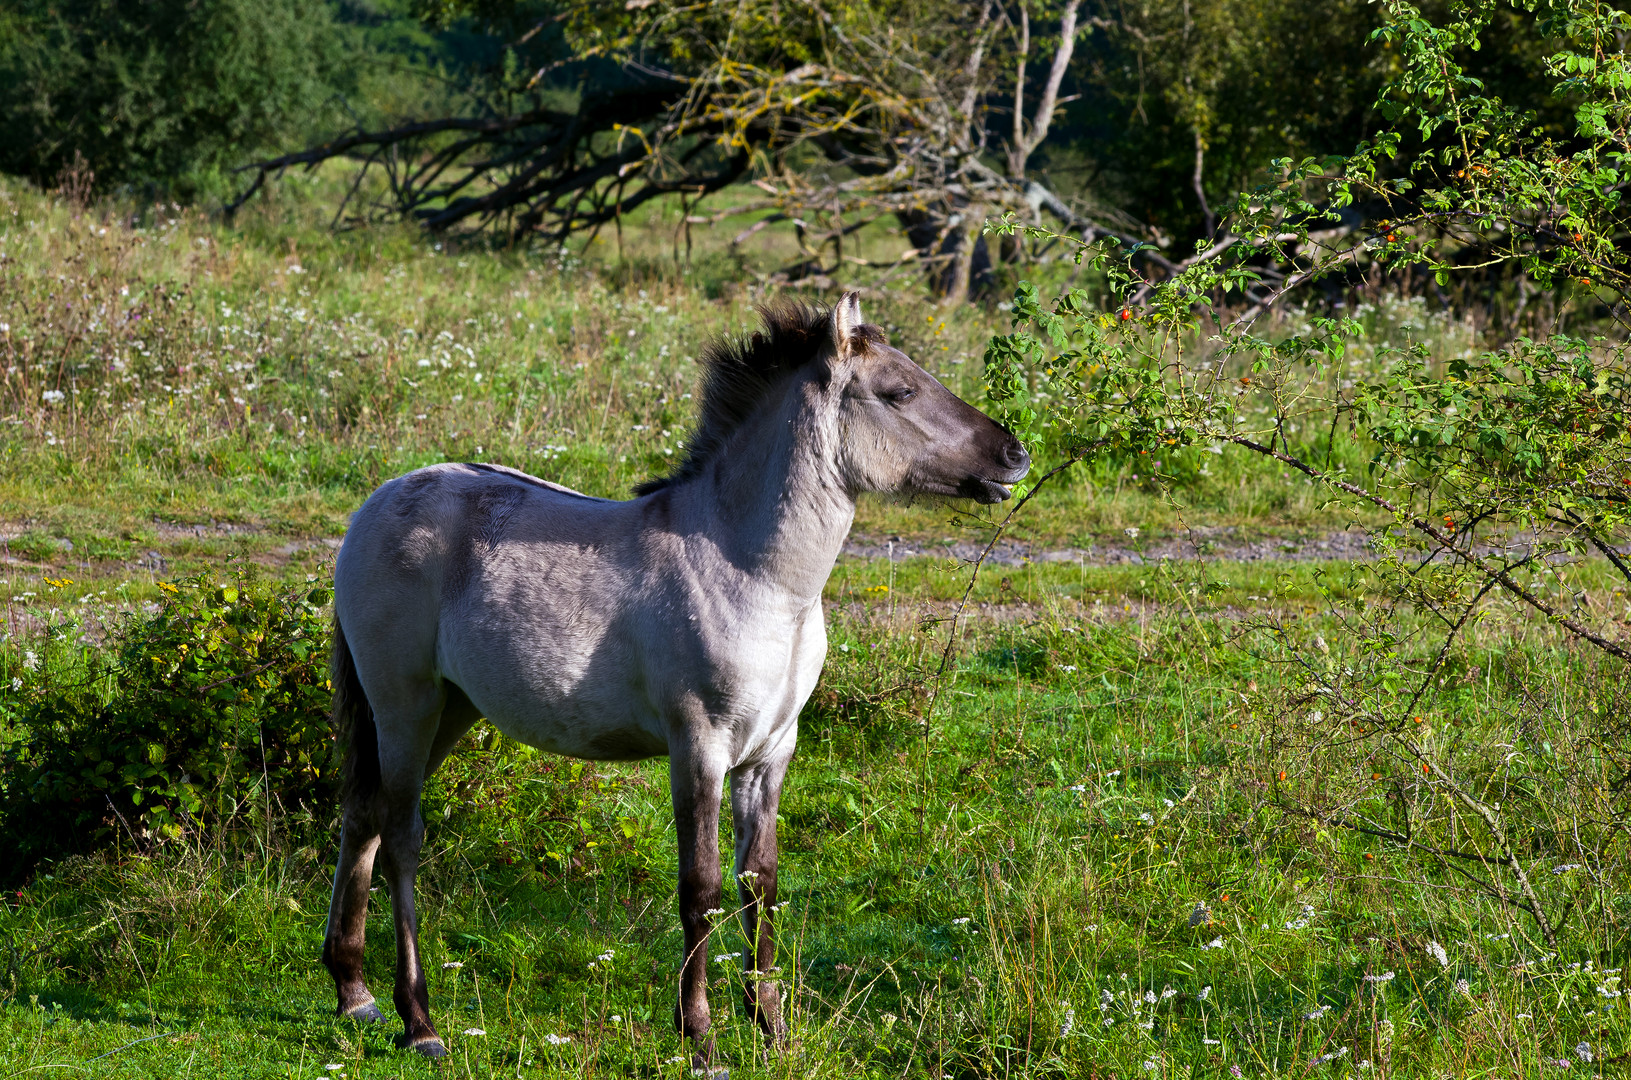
354, 725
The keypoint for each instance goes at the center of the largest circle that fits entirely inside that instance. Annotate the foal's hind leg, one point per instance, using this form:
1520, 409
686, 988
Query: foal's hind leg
354, 870
348, 915
416, 732
755, 793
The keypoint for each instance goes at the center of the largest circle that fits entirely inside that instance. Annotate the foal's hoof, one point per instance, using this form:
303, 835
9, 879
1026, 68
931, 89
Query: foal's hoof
426, 1046
366, 1013
704, 1065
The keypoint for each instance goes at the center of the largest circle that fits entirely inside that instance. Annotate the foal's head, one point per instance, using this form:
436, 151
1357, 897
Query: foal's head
901, 432
898, 431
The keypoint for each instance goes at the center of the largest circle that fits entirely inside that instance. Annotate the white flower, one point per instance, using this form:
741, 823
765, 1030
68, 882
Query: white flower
1386, 976
1132, 531
959, 921
616, 1019
1583, 1052
333, 1068
1332, 1056
16, 683
1215, 943
1211, 1042
1166, 992
1301, 920
1566, 867
1078, 787
1148, 819
1463, 987
1206, 992
453, 965
725, 958
53, 396
1149, 997
474, 1031
1436, 951
557, 1040
1315, 1014
30, 661
1150, 1066
713, 911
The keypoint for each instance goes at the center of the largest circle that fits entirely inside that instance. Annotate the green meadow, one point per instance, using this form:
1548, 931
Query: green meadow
1092, 822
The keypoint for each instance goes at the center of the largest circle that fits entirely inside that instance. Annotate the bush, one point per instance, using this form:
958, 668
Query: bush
166, 92
214, 705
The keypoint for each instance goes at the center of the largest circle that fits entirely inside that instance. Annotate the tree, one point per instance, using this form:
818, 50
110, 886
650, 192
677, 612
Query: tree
164, 92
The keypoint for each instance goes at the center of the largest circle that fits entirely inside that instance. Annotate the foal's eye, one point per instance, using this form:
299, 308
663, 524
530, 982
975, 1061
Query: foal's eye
900, 396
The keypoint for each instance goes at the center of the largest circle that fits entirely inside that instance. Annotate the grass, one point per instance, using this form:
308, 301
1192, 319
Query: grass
1121, 838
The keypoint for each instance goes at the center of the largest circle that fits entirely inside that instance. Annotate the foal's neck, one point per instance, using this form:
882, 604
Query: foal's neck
782, 506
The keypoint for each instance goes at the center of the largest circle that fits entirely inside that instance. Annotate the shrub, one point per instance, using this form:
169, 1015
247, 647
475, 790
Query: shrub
215, 704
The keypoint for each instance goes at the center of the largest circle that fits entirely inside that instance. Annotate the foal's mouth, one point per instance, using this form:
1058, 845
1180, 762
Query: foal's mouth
986, 490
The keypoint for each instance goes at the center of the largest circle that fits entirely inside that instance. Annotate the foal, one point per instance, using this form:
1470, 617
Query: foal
686, 621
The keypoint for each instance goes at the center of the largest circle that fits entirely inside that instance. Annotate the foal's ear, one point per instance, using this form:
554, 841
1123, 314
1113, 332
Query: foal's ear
846, 320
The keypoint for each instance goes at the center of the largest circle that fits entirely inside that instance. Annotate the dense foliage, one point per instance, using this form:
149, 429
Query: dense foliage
167, 92
1488, 475
212, 708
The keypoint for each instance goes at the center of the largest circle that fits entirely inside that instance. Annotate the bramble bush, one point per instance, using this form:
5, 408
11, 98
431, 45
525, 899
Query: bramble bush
212, 709
1485, 479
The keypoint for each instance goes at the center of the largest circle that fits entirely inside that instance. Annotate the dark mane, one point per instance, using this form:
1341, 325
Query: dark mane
738, 374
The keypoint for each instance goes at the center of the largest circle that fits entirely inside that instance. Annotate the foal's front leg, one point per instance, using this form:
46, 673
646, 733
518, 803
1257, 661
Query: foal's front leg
695, 781
755, 793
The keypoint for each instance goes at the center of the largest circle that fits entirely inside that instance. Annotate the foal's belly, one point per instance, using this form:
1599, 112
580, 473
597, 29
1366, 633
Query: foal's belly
625, 699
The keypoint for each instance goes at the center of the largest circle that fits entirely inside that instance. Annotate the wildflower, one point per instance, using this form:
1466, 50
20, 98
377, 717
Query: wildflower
713, 911
616, 1019
1315, 1014
1566, 867
1234, 1071
453, 965
1436, 951
1215, 943
1149, 997
1562, 1063
53, 396
333, 1068
1303, 919
1068, 1022
1078, 787
557, 1040
1206, 992
30, 661
1166, 992
16, 683
474, 1031
1148, 819
1211, 1042
1386, 976
959, 921
725, 958
1463, 987
1150, 1066
1332, 1056
1106, 999
1132, 531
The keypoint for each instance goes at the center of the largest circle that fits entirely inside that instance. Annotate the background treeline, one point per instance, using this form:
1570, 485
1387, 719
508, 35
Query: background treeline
1164, 108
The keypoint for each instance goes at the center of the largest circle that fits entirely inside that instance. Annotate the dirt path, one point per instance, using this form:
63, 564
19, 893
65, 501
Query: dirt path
1213, 545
